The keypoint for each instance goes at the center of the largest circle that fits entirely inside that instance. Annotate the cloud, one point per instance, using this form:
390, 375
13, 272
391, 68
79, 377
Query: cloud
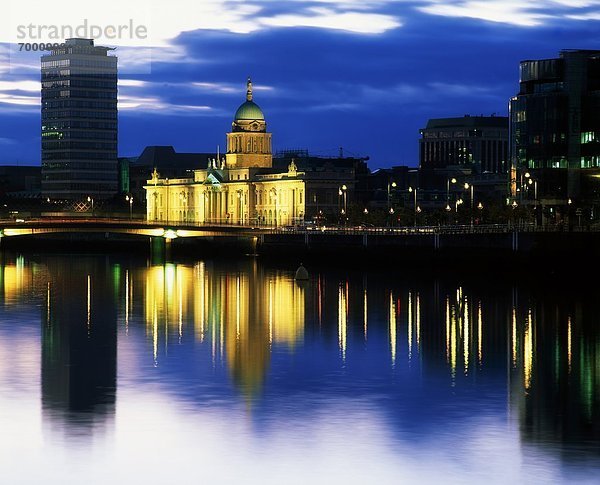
148, 23
23, 101
354, 21
24, 85
158, 105
523, 13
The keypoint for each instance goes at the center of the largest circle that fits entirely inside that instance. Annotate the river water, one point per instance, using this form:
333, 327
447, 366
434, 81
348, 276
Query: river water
113, 370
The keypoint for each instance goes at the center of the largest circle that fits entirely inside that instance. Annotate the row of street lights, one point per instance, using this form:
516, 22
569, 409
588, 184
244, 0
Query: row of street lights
128, 198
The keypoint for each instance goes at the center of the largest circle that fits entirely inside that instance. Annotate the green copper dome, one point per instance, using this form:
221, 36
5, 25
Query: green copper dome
249, 111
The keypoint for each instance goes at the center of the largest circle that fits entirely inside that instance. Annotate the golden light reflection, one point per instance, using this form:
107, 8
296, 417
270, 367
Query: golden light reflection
127, 296
365, 306
320, 300
453, 344
463, 334
89, 302
410, 317
448, 330
418, 322
242, 315
479, 334
466, 335
528, 351
16, 278
342, 318
271, 300
200, 289
48, 304
569, 340
514, 337
392, 319
180, 301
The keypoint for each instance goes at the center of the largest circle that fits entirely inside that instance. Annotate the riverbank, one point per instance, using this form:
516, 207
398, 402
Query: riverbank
490, 251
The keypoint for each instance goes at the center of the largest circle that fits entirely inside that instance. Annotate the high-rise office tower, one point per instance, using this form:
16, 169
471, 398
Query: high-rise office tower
79, 121
555, 126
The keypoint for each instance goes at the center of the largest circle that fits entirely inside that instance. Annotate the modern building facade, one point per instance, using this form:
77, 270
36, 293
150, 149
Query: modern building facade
479, 141
244, 188
79, 122
555, 126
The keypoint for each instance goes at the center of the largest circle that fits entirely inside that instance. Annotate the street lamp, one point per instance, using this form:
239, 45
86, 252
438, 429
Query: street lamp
415, 190
448, 181
390, 186
91, 199
129, 198
458, 202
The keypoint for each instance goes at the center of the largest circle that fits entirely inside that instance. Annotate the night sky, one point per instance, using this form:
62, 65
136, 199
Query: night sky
364, 75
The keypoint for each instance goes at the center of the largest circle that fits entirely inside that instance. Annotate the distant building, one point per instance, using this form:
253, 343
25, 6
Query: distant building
555, 126
245, 187
79, 121
320, 167
453, 151
480, 142
17, 181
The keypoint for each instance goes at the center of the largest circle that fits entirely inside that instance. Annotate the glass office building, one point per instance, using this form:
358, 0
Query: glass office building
79, 122
555, 121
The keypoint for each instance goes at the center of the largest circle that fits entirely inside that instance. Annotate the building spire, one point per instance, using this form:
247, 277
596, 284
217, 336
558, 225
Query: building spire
249, 91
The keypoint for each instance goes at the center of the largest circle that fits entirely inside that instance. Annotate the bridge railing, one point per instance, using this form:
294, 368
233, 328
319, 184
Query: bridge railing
331, 229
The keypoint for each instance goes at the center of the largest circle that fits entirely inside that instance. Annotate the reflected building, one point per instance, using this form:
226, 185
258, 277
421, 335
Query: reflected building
555, 375
241, 314
79, 347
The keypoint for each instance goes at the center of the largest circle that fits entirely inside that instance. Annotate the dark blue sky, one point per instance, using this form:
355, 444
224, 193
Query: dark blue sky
327, 73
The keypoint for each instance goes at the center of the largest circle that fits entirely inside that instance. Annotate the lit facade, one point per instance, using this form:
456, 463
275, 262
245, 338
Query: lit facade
243, 187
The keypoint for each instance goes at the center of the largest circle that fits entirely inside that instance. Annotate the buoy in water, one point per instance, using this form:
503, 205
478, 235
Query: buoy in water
301, 273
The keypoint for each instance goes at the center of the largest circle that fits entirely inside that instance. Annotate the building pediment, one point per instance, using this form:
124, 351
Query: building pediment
213, 179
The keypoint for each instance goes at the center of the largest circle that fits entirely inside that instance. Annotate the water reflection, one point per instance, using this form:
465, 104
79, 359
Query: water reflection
240, 314
79, 345
431, 357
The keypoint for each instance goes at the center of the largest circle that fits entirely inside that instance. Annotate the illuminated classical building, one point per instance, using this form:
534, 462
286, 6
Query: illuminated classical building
243, 187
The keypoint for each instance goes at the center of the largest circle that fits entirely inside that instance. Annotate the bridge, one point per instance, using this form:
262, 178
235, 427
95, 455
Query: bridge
10, 227
413, 245
36, 227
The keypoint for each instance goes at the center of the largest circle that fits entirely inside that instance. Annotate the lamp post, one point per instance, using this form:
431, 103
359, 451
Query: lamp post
390, 186
470, 187
129, 198
448, 181
343, 202
532, 181
91, 199
414, 191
